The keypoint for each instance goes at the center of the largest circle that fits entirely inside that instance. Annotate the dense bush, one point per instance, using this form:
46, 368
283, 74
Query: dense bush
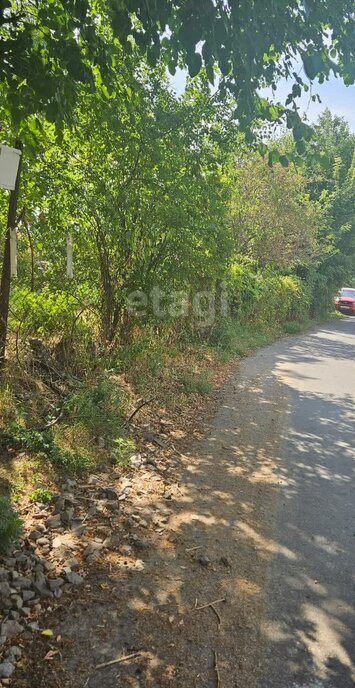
262, 297
45, 313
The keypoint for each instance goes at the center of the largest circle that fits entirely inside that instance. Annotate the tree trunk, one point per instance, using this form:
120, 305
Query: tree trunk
6, 273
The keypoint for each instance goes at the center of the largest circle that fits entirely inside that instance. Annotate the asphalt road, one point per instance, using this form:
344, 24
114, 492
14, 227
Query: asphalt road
310, 590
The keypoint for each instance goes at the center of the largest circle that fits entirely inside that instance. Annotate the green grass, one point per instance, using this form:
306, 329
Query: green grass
293, 327
196, 384
43, 445
41, 496
11, 527
232, 338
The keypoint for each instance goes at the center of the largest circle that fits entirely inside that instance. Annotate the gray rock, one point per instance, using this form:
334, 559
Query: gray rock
10, 562
111, 542
14, 652
16, 601
55, 583
22, 558
74, 578
72, 564
42, 541
22, 583
33, 626
93, 557
67, 515
10, 628
6, 669
78, 528
54, 522
5, 590
38, 568
40, 584
59, 505
28, 595
68, 497
113, 505
3, 574
41, 527
92, 548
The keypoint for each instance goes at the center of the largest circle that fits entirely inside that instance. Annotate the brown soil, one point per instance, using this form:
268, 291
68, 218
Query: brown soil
220, 494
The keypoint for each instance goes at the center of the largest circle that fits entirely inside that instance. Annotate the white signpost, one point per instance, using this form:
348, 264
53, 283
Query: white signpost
9, 163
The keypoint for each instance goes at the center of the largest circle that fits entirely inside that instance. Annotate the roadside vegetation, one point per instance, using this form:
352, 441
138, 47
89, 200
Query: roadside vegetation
198, 234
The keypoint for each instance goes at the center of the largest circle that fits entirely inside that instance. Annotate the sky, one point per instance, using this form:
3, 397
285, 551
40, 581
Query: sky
340, 99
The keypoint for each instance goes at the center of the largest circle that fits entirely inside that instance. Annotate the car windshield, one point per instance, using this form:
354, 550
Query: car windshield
350, 293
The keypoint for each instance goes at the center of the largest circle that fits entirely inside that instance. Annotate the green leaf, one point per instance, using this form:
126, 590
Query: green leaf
262, 148
48, 633
194, 64
284, 160
273, 158
300, 147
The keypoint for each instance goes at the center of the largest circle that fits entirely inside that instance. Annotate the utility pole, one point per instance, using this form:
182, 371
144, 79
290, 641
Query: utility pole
6, 264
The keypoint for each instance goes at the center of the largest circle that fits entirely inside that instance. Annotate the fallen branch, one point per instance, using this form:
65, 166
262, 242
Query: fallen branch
144, 403
118, 661
204, 606
193, 549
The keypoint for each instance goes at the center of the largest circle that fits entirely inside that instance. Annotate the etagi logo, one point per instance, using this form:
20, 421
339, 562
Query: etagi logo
204, 306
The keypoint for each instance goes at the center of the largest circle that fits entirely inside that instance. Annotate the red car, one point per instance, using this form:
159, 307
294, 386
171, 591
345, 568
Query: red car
345, 302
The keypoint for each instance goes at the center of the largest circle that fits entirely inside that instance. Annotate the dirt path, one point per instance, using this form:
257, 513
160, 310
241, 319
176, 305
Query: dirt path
220, 499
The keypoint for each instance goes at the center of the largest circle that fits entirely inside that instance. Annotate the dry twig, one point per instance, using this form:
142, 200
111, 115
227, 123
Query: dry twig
217, 614
118, 661
218, 684
203, 606
144, 403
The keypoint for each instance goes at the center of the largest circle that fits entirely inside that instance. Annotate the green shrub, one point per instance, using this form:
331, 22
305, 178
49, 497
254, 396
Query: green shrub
292, 327
265, 298
32, 441
43, 444
73, 462
42, 495
11, 527
100, 408
124, 448
44, 313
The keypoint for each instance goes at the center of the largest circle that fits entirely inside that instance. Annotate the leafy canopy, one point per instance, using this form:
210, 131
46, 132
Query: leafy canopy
47, 47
